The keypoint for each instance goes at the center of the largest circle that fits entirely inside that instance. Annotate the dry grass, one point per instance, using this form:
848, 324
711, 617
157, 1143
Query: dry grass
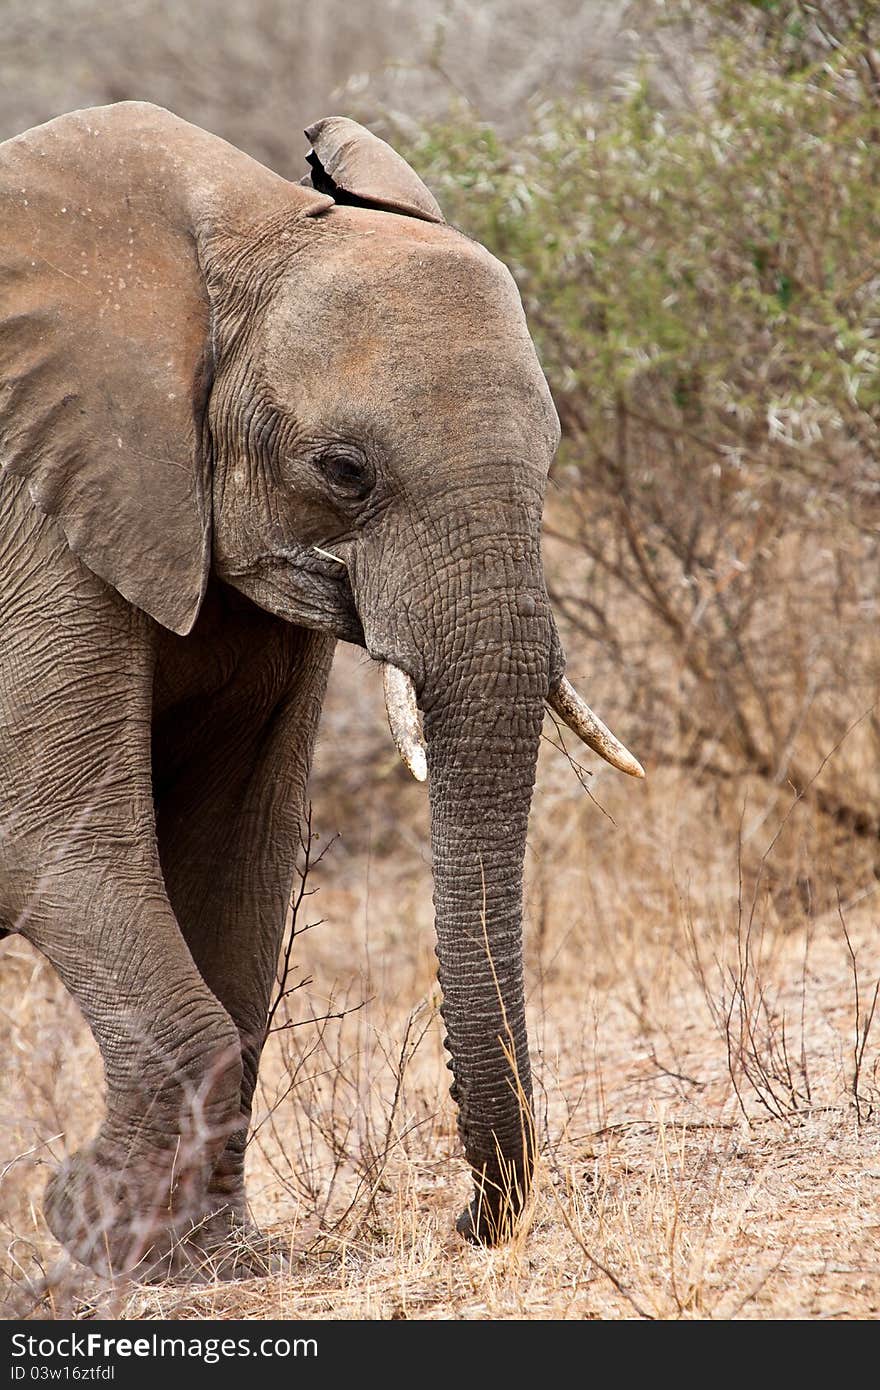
695, 1036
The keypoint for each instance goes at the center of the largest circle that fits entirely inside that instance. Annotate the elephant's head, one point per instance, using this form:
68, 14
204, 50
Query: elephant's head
329, 397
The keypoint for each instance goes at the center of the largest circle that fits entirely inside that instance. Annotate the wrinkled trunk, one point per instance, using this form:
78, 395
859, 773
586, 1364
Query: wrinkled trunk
478, 829
462, 609
482, 725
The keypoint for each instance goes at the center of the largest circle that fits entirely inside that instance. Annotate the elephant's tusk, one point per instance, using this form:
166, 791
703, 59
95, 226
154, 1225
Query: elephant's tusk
577, 714
403, 717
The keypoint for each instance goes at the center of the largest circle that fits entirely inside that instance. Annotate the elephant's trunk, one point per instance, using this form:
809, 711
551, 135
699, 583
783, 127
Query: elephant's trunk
460, 616
482, 724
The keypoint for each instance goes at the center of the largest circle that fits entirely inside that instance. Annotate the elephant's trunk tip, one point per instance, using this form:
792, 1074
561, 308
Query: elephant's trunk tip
403, 718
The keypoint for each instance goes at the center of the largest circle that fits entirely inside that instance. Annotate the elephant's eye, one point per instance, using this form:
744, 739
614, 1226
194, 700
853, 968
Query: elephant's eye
347, 471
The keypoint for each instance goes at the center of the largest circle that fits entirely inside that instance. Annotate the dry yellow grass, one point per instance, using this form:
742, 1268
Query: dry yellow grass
660, 985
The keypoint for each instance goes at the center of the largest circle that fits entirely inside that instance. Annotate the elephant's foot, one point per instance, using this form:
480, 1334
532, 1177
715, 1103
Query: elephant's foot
100, 1215
222, 1246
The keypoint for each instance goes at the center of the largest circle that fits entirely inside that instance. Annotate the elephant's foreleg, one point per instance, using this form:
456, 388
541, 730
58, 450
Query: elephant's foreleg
173, 1076
91, 898
229, 820
80, 878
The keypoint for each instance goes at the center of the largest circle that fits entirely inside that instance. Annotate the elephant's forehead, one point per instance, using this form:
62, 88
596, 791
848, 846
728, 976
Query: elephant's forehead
427, 286
403, 311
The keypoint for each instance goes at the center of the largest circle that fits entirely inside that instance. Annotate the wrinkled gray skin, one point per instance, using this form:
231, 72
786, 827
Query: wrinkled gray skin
206, 372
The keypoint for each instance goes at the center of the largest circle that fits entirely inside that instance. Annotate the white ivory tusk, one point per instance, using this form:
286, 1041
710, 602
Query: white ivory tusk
403, 718
577, 714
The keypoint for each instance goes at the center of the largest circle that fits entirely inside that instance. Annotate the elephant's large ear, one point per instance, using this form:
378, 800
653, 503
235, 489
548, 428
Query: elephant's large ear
354, 166
105, 358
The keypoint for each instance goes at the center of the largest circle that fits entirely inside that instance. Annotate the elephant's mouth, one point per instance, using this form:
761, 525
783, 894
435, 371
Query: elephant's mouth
309, 586
321, 596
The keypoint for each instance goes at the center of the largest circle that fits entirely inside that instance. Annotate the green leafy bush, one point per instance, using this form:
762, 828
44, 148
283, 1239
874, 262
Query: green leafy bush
703, 286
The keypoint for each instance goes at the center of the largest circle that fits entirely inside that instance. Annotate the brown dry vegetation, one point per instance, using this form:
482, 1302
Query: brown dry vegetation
694, 1023
702, 949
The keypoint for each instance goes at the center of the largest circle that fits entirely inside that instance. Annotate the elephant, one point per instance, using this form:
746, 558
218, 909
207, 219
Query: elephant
241, 419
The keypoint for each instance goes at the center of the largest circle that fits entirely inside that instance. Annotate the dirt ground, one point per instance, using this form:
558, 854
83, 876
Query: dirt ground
707, 1067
